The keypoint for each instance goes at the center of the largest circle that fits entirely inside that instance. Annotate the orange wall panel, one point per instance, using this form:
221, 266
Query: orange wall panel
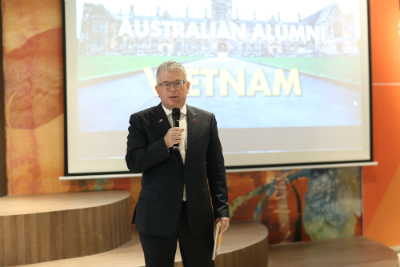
386, 146
385, 41
381, 183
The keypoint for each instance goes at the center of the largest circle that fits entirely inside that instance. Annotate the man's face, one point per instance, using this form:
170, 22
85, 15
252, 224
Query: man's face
172, 98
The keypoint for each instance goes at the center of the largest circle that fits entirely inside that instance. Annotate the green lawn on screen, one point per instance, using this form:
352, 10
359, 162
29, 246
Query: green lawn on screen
90, 67
338, 68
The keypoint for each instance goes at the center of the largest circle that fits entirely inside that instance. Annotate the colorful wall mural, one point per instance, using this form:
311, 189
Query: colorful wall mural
299, 205
296, 205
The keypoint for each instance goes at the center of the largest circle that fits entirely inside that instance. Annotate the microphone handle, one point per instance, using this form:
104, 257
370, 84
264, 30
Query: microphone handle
175, 123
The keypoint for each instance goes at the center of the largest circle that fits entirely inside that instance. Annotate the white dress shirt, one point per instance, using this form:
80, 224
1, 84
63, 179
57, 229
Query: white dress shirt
182, 125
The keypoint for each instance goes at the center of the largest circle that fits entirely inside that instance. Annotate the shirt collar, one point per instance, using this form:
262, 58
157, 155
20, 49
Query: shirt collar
168, 111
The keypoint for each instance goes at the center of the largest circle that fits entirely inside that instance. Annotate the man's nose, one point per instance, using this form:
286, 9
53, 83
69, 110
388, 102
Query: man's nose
172, 87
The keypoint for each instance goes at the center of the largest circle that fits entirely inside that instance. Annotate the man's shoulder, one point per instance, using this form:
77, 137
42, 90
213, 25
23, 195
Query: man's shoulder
199, 111
146, 112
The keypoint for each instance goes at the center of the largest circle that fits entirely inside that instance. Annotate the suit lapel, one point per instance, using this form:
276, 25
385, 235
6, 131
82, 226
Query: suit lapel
192, 127
161, 120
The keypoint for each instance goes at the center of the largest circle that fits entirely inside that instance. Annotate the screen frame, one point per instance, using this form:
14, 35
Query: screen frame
232, 168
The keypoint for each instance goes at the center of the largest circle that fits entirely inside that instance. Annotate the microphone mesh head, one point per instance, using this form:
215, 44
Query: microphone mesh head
176, 113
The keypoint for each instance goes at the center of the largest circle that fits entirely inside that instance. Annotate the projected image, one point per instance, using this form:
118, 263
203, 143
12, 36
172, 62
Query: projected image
296, 62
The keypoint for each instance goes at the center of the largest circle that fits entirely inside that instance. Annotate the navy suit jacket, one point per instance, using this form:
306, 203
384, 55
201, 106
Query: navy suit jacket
159, 205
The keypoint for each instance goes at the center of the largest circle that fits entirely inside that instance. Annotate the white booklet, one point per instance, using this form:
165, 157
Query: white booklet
217, 240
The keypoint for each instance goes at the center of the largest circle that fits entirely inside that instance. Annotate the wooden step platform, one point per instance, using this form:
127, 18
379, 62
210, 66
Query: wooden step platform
40, 228
342, 252
93, 229
245, 244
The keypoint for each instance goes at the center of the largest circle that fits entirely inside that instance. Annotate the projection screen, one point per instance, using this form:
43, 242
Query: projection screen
288, 81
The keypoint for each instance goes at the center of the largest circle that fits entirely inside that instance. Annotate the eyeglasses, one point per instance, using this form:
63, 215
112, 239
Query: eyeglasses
167, 85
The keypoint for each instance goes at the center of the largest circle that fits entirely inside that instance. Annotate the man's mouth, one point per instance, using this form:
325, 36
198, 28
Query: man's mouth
173, 97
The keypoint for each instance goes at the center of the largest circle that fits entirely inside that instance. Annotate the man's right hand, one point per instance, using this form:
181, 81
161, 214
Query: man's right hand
173, 136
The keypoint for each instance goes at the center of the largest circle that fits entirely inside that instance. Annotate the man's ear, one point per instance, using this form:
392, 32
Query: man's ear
156, 87
188, 86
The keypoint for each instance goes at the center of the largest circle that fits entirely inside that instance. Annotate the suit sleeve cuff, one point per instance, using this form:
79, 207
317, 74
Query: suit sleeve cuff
221, 212
162, 148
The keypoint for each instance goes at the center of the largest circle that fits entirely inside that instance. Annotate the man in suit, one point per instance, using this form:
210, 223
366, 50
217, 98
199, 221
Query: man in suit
174, 203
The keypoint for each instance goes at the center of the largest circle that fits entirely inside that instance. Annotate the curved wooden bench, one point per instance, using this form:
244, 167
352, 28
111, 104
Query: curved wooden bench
245, 244
40, 228
343, 252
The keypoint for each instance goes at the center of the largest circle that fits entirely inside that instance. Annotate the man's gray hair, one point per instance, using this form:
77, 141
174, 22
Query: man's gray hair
171, 66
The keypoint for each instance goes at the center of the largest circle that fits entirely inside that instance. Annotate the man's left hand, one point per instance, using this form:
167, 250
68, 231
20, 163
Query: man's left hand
224, 224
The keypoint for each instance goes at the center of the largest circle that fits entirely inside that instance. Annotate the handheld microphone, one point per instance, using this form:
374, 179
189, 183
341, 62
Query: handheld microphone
176, 115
